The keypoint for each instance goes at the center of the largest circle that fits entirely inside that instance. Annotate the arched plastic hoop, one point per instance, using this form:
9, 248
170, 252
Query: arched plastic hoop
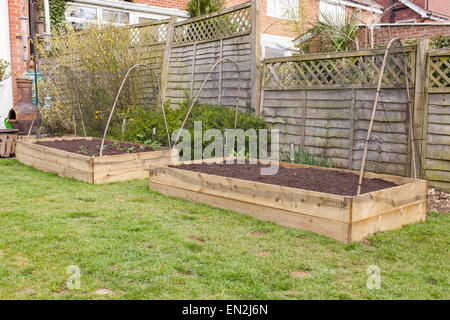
380, 80
76, 88
200, 90
117, 98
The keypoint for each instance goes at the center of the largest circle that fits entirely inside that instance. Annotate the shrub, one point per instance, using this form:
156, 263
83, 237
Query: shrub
440, 42
140, 122
98, 58
4, 74
57, 120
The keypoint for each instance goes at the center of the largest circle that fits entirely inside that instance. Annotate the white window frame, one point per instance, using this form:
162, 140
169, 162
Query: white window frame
328, 6
277, 8
81, 20
131, 15
407, 21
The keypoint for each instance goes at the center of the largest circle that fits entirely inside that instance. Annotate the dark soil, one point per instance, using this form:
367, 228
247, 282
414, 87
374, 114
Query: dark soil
438, 201
328, 181
92, 147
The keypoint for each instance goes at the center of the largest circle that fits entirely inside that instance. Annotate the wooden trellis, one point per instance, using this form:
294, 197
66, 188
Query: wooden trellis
439, 70
323, 103
336, 70
233, 21
436, 120
150, 33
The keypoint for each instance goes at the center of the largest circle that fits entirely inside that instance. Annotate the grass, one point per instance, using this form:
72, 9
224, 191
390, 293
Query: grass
143, 245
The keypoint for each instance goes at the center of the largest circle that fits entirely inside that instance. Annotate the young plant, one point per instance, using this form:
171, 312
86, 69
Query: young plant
116, 144
83, 150
153, 144
304, 157
241, 153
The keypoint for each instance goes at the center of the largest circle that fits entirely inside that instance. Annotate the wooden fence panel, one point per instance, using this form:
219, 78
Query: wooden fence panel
436, 138
148, 39
198, 43
323, 104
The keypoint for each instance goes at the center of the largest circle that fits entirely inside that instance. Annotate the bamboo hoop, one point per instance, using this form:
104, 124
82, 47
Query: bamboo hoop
45, 85
200, 90
369, 131
117, 98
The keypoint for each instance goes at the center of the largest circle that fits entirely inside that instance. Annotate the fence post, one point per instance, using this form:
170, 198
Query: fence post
166, 59
256, 56
419, 97
352, 130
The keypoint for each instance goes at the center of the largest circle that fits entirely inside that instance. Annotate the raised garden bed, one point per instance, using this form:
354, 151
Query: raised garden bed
78, 158
295, 197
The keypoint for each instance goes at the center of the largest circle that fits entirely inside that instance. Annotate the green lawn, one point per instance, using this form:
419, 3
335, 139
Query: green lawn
143, 245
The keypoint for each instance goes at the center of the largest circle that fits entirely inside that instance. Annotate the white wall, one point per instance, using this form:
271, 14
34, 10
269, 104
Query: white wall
6, 100
284, 46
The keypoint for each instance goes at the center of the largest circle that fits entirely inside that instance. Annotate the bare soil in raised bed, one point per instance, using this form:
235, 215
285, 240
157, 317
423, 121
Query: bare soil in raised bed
328, 181
92, 147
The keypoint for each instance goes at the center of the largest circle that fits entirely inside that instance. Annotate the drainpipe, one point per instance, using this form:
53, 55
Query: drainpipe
392, 11
47, 25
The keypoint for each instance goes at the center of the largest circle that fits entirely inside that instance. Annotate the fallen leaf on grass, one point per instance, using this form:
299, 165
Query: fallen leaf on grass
263, 254
196, 239
104, 292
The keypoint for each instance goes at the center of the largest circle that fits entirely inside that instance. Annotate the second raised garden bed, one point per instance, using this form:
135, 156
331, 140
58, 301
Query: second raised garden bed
330, 207
77, 158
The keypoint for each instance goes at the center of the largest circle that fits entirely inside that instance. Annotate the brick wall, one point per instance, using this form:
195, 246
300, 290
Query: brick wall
173, 4
436, 6
383, 34
16, 8
439, 6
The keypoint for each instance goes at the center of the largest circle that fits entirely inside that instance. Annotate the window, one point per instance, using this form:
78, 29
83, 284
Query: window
282, 9
145, 20
81, 15
331, 12
85, 13
116, 17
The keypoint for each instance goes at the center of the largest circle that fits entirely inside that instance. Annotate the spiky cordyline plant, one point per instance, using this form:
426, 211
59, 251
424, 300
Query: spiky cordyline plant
196, 8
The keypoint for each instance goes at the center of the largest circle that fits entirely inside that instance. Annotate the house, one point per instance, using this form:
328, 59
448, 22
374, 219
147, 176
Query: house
409, 20
79, 12
279, 32
414, 11
277, 29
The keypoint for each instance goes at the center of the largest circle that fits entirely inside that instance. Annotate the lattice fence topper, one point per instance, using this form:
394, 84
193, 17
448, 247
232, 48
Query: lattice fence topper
149, 34
439, 75
215, 26
340, 70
